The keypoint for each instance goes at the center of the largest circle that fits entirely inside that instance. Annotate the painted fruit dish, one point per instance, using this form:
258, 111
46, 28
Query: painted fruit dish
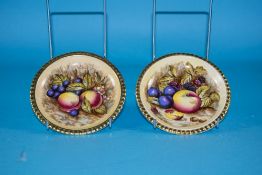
183, 93
77, 93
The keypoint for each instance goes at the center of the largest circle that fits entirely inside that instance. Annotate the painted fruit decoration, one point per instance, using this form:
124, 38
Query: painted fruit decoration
186, 101
79, 93
94, 98
183, 93
68, 101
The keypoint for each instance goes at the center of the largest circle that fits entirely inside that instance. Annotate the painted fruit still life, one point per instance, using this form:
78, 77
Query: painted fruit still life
78, 95
182, 95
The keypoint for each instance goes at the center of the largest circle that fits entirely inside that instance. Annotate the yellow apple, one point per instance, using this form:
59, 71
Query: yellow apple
186, 101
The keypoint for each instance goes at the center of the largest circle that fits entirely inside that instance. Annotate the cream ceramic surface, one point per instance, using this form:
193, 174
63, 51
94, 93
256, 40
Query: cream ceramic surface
215, 79
47, 108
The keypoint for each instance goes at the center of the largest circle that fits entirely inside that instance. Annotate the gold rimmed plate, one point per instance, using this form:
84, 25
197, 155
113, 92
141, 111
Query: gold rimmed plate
183, 94
77, 93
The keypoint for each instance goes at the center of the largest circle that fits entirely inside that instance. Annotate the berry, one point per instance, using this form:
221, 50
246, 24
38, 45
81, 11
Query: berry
170, 98
173, 83
197, 82
189, 86
154, 110
202, 79
153, 92
177, 88
66, 83
169, 91
78, 80
169, 110
74, 112
50, 93
164, 102
56, 95
78, 92
54, 87
61, 89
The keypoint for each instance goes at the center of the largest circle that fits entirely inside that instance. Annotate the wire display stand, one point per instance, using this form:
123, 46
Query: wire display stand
50, 35
156, 12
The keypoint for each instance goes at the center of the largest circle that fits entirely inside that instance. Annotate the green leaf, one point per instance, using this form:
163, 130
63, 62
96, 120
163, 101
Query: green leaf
164, 81
97, 77
173, 70
75, 73
189, 69
101, 109
63, 77
214, 96
88, 81
202, 91
206, 102
58, 79
86, 106
200, 71
186, 78
75, 87
153, 100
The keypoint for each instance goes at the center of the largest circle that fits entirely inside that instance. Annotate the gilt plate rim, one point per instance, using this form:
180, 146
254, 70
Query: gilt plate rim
172, 130
62, 130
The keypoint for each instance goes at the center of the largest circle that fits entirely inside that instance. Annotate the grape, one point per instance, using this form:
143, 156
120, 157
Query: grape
78, 80
202, 79
66, 83
164, 102
78, 92
74, 112
175, 85
189, 86
154, 110
177, 88
170, 98
169, 91
153, 92
197, 82
54, 87
56, 95
61, 89
50, 93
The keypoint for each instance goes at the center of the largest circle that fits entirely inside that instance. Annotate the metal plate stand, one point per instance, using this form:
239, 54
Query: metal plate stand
49, 20
155, 12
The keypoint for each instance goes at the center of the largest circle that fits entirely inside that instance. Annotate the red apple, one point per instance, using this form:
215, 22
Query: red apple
95, 99
68, 101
